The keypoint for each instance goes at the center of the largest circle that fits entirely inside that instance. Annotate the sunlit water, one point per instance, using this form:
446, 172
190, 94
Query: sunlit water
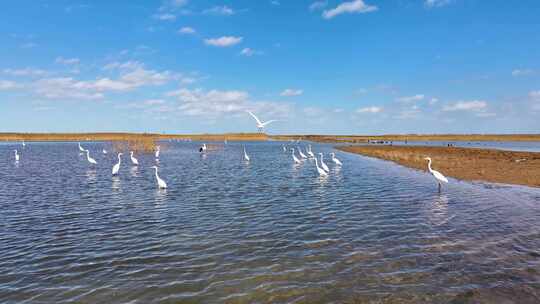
226, 231
524, 146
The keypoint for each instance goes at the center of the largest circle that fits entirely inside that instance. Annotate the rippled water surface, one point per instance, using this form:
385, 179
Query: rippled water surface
226, 231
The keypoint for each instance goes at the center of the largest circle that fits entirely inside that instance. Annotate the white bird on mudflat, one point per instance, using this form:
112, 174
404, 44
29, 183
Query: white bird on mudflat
295, 159
323, 165
90, 160
246, 157
321, 171
161, 183
116, 167
260, 124
16, 156
81, 148
133, 159
309, 152
302, 155
335, 160
438, 176
157, 152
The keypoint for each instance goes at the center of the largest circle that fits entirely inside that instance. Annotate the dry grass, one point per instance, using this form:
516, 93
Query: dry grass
140, 139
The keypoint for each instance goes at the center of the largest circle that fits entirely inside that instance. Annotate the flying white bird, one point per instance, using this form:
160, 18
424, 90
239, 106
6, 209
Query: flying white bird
90, 160
161, 183
157, 152
321, 171
323, 165
260, 124
438, 176
116, 167
246, 157
16, 156
203, 148
295, 159
302, 155
310, 153
335, 160
133, 159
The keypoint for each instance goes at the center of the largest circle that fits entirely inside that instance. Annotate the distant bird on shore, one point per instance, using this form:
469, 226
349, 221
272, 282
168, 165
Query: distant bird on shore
246, 157
161, 183
260, 124
309, 152
202, 149
323, 165
319, 170
16, 156
133, 159
295, 159
335, 160
302, 155
438, 176
90, 160
157, 152
117, 166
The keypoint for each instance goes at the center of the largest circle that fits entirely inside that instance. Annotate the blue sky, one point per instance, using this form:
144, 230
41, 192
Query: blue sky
335, 66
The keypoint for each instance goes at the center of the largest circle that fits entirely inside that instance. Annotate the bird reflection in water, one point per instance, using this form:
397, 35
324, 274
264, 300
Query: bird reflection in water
91, 175
133, 171
116, 183
437, 211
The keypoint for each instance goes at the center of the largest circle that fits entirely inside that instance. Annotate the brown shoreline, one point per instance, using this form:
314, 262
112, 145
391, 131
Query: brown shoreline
507, 167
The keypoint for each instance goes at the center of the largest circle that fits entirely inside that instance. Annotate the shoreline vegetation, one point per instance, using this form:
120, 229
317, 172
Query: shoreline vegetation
472, 164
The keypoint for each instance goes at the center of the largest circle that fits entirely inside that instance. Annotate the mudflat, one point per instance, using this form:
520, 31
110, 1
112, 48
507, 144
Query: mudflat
490, 165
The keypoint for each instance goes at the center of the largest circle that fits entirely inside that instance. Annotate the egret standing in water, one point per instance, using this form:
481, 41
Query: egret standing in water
81, 148
90, 160
202, 149
116, 167
284, 149
438, 176
295, 159
323, 165
23, 144
246, 157
260, 124
335, 160
302, 155
157, 152
309, 152
16, 156
321, 171
133, 159
161, 183
104, 151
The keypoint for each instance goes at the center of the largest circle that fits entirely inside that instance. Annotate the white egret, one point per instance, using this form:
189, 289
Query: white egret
90, 160
117, 166
81, 148
323, 165
302, 155
161, 183
16, 156
104, 151
309, 152
321, 171
23, 144
157, 152
284, 149
260, 124
295, 159
246, 157
335, 160
202, 149
438, 176
133, 159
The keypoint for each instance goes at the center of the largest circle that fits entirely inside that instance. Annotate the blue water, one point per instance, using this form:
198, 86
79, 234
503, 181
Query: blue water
267, 231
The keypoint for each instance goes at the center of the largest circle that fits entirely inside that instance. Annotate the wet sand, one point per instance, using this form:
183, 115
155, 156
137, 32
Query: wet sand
410, 137
508, 167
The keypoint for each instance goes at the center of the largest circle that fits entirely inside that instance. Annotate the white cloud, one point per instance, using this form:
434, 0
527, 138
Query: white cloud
224, 41
186, 30
291, 92
355, 6
473, 105
275, 2
128, 65
407, 99
522, 72
219, 10
28, 45
436, 3
318, 5
433, 101
165, 17
249, 52
65, 87
25, 72
8, 85
534, 94
372, 109
67, 61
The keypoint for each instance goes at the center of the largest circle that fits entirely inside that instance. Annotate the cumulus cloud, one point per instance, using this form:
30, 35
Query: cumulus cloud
186, 30
291, 92
436, 3
356, 6
522, 72
224, 41
534, 95
8, 85
407, 99
372, 109
473, 105
219, 10
249, 52
165, 17
318, 5
67, 61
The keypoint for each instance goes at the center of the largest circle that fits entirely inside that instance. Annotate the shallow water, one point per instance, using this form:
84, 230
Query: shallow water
226, 231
